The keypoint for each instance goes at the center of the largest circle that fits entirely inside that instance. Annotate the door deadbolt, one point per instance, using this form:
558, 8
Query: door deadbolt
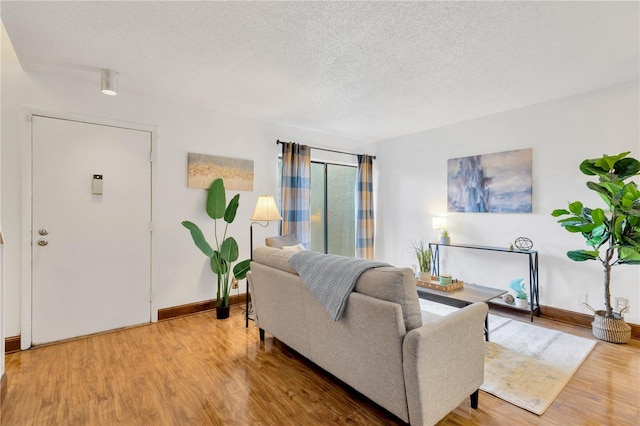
42, 242
43, 231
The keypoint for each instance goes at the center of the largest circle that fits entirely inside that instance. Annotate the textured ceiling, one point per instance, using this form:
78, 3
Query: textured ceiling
364, 70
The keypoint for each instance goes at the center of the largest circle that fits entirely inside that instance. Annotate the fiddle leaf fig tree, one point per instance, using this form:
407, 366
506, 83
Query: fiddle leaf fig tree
612, 234
226, 252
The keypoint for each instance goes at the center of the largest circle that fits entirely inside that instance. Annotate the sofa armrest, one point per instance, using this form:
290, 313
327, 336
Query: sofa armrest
443, 363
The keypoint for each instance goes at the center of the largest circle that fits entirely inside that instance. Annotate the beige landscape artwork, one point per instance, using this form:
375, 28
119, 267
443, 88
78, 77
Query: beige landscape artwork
236, 173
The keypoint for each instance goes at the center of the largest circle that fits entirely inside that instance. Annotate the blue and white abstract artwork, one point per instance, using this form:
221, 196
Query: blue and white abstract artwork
490, 183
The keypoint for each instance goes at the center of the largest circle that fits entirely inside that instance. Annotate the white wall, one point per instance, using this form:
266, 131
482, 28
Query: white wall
412, 189
11, 90
3, 41
181, 273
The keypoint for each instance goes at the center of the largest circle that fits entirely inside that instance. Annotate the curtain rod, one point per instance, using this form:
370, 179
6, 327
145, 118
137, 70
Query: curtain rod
278, 142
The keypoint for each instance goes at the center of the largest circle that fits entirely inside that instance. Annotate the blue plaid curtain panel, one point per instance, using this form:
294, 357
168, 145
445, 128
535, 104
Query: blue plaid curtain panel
364, 208
296, 195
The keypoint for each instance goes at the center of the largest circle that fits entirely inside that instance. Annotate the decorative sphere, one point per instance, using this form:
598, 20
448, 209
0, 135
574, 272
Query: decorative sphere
509, 299
523, 243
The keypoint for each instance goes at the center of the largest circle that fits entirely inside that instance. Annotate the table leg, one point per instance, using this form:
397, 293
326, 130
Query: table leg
246, 311
486, 328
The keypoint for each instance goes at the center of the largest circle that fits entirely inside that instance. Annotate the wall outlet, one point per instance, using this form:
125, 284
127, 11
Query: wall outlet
234, 283
621, 303
581, 298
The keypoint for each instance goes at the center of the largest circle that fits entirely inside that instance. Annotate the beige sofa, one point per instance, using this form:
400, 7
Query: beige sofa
380, 346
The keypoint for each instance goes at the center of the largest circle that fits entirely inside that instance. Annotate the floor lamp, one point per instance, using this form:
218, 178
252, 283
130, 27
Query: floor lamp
264, 211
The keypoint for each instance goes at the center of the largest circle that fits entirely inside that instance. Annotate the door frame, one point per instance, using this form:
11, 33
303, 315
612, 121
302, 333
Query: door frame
27, 209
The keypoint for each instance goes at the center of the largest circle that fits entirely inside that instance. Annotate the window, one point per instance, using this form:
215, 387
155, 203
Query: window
333, 207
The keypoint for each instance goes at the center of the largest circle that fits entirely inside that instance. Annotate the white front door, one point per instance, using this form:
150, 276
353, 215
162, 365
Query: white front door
91, 251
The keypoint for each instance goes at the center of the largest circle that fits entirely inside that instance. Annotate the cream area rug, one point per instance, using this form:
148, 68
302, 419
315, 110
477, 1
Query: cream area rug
525, 365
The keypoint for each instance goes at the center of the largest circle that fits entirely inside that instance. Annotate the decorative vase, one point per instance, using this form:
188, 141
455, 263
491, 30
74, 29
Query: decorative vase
614, 330
222, 312
445, 240
521, 303
425, 276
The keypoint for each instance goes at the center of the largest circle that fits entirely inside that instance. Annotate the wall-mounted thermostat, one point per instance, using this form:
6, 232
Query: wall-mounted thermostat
96, 185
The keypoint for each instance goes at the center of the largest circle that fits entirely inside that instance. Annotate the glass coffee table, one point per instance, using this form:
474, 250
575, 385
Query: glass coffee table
470, 293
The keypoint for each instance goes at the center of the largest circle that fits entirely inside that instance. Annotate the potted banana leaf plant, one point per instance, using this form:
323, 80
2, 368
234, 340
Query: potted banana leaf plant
612, 234
225, 250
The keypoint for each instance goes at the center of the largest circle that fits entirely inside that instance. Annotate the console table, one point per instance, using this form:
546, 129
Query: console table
534, 295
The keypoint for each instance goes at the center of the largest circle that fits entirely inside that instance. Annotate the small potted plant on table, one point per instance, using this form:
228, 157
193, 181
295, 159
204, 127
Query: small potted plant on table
444, 239
423, 254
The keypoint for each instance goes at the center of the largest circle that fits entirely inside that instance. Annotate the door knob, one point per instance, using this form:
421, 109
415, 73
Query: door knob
43, 231
42, 242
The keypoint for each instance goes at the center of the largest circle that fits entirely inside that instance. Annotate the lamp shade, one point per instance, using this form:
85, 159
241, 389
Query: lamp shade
439, 223
109, 82
266, 209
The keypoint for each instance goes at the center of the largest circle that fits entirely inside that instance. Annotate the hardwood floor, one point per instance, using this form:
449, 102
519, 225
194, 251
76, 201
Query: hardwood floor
196, 370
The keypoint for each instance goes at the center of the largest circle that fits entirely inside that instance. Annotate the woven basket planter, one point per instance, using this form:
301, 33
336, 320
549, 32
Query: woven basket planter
614, 330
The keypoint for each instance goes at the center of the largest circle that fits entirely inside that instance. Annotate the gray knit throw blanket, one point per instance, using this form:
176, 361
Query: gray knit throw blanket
331, 278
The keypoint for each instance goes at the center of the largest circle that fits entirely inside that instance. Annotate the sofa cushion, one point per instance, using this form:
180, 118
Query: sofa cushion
395, 285
275, 257
280, 241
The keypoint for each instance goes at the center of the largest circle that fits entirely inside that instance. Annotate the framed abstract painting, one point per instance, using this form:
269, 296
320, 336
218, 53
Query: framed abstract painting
490, 183
203, 169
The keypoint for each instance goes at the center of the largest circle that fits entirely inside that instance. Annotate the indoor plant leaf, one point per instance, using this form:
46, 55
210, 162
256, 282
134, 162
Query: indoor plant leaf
216, 200
629, 195
611, 188
218, 265
232, 208
576, 208
602, 166
198, 238
626, 168
633, 221
241, 269
584, 228
598, 216
602, 191
629, 255
589, 168
582, 255
574, 229
229, 250
574, 221
617, 228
